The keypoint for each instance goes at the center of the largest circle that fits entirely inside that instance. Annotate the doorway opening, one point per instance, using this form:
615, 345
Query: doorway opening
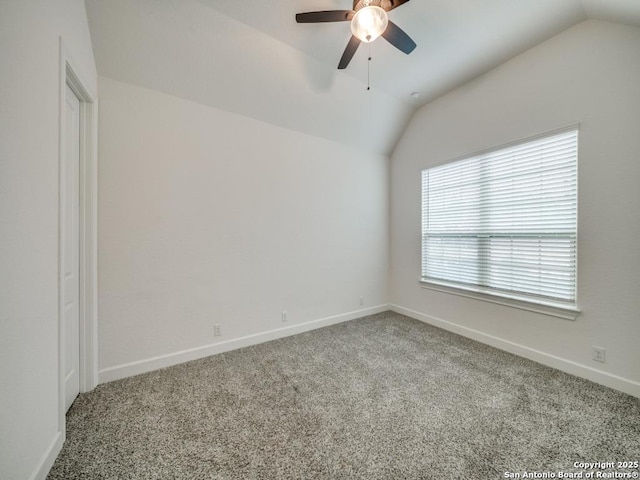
77, 215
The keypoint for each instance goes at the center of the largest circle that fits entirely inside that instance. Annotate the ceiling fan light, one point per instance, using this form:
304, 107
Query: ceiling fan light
369, 23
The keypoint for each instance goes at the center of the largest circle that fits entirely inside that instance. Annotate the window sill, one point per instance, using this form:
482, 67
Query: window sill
559, 310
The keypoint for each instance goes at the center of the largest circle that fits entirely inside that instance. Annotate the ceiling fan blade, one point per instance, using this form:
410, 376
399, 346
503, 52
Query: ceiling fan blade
352, 46
396, 37
325, 16
389, 5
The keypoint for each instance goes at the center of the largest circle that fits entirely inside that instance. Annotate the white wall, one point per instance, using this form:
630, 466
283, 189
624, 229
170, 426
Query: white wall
29, 81
589, 74
210, 217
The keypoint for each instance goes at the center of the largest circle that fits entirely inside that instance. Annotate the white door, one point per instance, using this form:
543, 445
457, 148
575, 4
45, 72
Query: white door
71, 247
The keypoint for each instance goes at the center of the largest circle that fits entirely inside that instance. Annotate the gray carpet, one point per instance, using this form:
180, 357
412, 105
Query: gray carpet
382, 397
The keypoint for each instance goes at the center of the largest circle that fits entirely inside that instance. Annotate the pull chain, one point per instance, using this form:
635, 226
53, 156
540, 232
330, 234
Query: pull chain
369, 69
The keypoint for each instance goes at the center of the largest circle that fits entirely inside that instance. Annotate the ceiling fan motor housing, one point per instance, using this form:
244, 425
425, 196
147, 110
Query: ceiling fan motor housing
384, 4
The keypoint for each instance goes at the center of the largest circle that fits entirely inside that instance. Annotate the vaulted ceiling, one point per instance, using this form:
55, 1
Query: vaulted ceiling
251, 58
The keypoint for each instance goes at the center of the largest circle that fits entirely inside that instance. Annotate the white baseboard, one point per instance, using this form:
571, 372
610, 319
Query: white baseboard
163, 361
598, 376
48, 458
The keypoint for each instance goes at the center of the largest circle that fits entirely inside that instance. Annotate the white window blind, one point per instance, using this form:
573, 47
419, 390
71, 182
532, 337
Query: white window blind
505, 222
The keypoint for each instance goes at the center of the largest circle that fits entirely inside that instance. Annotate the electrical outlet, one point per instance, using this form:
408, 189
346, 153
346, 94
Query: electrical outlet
217, 330
598, 353
361, 301
285, 316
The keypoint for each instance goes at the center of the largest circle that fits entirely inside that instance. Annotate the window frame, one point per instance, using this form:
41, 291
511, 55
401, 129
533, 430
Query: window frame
560, 309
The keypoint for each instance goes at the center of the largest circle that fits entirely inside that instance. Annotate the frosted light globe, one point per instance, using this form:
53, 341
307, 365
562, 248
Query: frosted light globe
369, 23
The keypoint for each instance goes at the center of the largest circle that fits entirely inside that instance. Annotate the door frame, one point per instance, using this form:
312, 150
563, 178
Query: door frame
88, 228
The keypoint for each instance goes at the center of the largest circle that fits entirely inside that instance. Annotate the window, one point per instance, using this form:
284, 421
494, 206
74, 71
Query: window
504, 223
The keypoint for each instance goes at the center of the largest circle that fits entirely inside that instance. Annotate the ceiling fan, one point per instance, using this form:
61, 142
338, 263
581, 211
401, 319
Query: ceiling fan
369, 20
